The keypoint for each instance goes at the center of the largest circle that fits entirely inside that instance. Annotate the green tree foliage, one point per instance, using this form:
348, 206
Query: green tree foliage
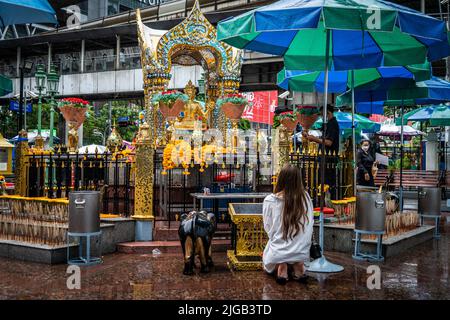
97, 120
9, 119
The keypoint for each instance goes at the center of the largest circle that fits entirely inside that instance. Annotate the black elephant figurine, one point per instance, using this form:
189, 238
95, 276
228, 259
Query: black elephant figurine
196, 232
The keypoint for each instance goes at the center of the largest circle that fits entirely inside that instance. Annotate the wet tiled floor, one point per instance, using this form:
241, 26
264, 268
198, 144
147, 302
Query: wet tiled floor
421, 273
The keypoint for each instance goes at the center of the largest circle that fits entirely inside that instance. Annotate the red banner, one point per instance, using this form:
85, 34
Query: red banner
261, 106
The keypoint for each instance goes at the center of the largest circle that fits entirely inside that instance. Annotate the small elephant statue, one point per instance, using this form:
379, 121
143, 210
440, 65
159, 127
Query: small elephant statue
196, 232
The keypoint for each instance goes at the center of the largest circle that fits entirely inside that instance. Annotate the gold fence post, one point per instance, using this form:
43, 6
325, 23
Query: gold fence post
284, 146
22, 149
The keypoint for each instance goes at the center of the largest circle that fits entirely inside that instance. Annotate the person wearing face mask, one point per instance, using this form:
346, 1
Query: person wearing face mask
366, 165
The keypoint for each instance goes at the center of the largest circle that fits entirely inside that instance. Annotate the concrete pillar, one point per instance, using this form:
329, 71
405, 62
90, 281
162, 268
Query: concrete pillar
422, 6
19, 60
49, 60
83, 51
117, 52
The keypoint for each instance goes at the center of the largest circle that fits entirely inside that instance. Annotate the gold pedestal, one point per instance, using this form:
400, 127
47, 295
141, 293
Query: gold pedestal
250, 236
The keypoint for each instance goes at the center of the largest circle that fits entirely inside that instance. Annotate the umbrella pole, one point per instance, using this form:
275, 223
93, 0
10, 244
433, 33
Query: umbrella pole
321, 265
353, 132
401, 155
294, 111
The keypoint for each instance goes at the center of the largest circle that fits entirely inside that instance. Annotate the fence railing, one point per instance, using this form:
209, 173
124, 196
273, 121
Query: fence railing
338, 174
55, 175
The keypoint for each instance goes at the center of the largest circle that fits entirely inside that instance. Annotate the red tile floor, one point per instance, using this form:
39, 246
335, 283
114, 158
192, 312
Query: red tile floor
420, 273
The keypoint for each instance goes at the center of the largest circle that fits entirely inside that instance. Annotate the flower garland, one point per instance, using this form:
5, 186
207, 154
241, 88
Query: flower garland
2, 185
169, 97
207, 155
74, 102
234, 98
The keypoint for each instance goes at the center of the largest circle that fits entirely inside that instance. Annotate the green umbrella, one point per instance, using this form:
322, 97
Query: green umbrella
344, 120
324, 35
5, 85
437, 116
382, 78
361, 33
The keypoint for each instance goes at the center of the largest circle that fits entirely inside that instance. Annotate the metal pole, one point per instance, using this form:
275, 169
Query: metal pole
325, 123
25, 111
20, 124
52, 115
39, 112
321, 265
109, 118
401, 156
353, 132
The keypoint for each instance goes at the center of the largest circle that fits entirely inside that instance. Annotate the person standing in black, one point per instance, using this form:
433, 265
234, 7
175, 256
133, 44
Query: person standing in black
365, 164
332, 137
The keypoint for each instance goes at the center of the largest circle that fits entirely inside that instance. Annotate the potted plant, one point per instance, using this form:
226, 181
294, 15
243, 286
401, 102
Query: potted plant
288, 120
74, 111
307, 116
171, 103
233, 105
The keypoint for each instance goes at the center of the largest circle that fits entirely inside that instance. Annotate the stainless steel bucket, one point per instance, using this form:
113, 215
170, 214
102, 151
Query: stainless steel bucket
370, 211
84, 215
429, 201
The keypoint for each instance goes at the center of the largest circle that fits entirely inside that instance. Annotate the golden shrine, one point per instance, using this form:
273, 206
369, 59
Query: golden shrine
192, 42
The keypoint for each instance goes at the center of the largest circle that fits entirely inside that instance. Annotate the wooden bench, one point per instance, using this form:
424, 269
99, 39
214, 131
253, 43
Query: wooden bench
411, 178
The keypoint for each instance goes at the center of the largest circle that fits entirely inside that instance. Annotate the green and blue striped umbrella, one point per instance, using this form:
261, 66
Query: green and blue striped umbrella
344, 120
364, 79
363, 34
437, 115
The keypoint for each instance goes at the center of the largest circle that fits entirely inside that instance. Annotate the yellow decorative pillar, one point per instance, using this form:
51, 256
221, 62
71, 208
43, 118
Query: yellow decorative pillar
145, 151
22, 149
284, 146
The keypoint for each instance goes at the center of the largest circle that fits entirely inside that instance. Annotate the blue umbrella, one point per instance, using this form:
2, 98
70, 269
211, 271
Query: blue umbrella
358, 34
344, 35
347, 122
433, 91
26, 11
382, 78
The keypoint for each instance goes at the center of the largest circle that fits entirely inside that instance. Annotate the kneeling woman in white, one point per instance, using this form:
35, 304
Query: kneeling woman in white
288, 221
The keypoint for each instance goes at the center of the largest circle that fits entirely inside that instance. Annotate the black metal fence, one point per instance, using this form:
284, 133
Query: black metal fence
338, 174
55, 175
172, 193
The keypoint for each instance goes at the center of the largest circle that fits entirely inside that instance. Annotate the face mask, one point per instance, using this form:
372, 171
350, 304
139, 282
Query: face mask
365, 148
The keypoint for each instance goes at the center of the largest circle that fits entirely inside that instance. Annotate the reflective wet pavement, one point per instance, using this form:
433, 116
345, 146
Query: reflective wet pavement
421, 273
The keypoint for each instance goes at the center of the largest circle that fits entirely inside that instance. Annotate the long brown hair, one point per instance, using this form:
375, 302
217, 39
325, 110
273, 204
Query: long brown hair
295, 201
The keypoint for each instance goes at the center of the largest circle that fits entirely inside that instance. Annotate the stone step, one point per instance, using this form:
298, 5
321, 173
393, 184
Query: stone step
218, 245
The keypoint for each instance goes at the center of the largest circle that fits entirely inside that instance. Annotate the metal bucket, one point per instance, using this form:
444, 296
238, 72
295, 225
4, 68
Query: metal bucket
370, 211
429, 201
84, 215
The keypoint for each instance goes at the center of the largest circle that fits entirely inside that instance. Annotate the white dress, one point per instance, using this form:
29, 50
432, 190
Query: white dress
277, 249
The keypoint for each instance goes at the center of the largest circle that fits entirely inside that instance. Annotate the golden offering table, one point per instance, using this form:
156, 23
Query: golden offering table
248, 236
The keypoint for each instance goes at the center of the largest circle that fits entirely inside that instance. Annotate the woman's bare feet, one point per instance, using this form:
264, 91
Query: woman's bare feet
299, 269
282, 273
299, 272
